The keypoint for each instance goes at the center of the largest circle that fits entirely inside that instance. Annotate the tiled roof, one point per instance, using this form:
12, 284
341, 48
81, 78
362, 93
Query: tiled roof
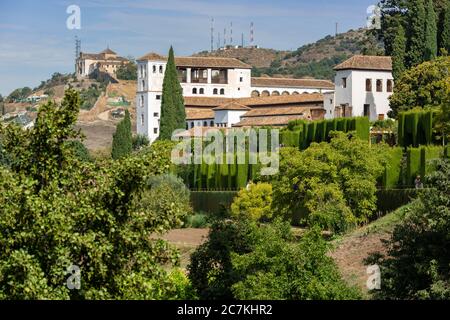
199, 114
292, 83
204, 62
255, 101
108, 51
202, 131
279, 111
99, 56
359, 62
268, 121
232, 105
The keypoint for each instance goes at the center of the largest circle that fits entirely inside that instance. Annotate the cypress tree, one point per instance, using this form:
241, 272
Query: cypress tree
444, 42
416, 32
430, 32
173, 114
122, 143
399, 52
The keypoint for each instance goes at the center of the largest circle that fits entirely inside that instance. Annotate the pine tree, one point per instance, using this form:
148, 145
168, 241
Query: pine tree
122, 144
444, 42
416, 32
430, 32
398, 52
173, 114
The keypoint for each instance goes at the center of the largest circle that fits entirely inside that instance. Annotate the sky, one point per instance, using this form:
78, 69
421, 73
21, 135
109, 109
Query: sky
35, 41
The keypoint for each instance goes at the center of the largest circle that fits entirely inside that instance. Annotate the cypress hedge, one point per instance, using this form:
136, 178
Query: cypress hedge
415, 127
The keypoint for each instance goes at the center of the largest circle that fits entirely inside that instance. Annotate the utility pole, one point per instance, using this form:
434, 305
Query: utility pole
336, 29
212, 34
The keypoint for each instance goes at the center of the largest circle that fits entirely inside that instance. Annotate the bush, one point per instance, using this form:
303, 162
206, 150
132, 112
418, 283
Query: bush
198, 220
213, 202
253, 203
140, 141
79, 149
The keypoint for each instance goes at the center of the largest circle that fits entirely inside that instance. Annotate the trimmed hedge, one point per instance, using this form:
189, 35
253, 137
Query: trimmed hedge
415, 128
392, 199
392, 176
212, 202
301, 133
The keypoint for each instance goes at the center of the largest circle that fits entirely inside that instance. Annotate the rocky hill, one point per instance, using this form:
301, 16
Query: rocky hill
312, 60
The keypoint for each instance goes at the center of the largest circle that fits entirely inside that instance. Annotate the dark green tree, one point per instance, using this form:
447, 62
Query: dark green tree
122, 144
173, 115
127, 71
444, 39
399, 53
416, 32
431, 48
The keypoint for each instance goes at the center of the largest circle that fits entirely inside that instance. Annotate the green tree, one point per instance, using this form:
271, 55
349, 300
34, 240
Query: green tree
416, 32
399, 53
417, 262
444, 41
425, 85
57, 211
127, 71
122, 144
173, 114
431, 48
254, 203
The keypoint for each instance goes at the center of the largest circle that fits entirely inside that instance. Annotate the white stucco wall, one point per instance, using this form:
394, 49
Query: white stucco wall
328, 104
290, 90
229, 117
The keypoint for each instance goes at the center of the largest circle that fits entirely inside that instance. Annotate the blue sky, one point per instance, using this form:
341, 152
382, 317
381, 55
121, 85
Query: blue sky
35, 42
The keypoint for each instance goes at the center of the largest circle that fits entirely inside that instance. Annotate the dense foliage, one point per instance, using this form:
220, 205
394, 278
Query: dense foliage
417, 263
337, 176
254, 202
122, 143
57, 211
127, 71
173, 113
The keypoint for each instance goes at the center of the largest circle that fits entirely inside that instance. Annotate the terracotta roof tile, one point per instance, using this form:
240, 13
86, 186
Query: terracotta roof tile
205, 62
359, 62
232, 105
279, 111
290, 83
199, 114
268, 121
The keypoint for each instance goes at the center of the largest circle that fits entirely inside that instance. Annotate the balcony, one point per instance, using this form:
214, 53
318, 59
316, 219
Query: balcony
199, 76
219, 76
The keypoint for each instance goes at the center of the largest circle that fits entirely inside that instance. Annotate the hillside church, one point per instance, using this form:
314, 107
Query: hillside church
220, 92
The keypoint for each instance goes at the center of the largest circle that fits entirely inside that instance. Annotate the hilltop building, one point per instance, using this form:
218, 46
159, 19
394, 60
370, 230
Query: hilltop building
106, 61
218, 92
363, 87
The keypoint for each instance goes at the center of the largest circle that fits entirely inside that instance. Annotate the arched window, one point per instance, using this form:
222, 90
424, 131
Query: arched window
205, 124
285, 93
295, 93
160, 69
211, 123
255, 93
369, 85
142, 101
275, 93
389, 85
222, 91
142, 119
379, 85
202, 91
192, 124
215, 91
143, 85
194, 90
154, 69
265, 93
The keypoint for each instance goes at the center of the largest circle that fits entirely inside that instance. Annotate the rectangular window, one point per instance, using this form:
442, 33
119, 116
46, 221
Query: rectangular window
367, 110
379, 85
199, 75
241, 79
344, 82
158, 97
369, 85
219, 76
155, 130
156, 114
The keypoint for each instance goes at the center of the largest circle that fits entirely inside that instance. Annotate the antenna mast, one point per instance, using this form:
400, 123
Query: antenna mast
231, 33
212, 34
224, 37
251, 34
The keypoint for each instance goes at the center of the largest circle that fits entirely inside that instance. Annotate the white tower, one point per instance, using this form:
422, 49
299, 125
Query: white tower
150, 77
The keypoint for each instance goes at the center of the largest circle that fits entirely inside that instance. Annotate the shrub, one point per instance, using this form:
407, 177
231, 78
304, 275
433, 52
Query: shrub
197, 220
79, 149
139, 141
253, 203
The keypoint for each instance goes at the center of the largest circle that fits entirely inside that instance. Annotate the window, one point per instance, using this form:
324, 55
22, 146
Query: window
369, 85
155, 130
389, 85
241, 79
156, 114
199, 75
219, 76
194, 90
211, 123
143, 85
205, 124
160, 69
222, 91
379, 85
182, 75
275, 93
142, 101
367, 110
158, 97
154, 69
215, 91
344, 82
142, 119
331, 101
239, 89
202, 91
381, 117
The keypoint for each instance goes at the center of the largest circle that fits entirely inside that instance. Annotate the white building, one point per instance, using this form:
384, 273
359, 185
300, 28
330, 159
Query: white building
106, 61
209, 77
363, 85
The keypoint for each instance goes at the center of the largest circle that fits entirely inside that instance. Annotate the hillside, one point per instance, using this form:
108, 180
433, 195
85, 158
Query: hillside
312, 60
